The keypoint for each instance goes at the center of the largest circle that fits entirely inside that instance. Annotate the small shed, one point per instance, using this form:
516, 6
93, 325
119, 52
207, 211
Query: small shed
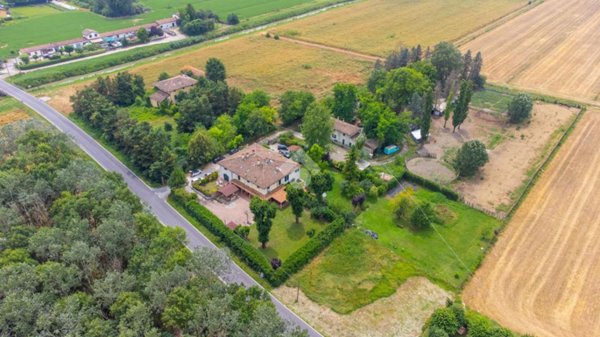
228, 192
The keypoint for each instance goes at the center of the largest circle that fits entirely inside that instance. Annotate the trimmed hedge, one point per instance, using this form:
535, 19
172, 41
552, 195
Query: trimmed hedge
240, 247
450, 194
251, 255
309, 251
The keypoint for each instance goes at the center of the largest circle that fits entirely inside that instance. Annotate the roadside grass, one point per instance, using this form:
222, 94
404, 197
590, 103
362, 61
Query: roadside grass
12, 111
286, 235
257, 62
379, 26
45, 24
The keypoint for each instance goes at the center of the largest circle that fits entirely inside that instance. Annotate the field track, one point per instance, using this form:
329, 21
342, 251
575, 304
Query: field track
552, 48
542, 277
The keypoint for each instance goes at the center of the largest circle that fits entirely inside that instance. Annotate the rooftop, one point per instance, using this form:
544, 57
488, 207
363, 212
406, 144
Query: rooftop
259, 166
346, 128
175, 83
159, 96
52, 45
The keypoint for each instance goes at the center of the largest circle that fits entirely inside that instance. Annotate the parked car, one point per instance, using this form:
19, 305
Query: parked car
232, 151
196, 173
285, 153
282, 147
218, 159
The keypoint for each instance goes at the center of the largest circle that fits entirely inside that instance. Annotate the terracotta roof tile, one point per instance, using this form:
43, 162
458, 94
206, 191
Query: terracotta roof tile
346, 128
175, 83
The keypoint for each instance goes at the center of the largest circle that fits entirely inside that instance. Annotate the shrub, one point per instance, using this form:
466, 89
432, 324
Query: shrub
351, 189
445, 319
450, 194
322, 213
519, 108
310, 233
470, 157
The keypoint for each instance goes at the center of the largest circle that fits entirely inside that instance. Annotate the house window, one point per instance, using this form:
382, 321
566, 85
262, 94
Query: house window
333, 135
287, 178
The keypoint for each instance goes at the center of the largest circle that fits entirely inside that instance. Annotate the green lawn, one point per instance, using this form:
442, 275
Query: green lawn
150, 115
354, 270
335, 197
286, 235
357, 270
34, 25
490, 98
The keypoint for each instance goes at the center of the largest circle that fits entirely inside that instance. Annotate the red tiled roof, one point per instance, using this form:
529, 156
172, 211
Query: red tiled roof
259, 166
175, 83
52, 45
228, 190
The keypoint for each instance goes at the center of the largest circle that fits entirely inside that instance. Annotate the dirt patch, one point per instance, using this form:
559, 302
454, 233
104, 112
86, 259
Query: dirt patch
13, 116
513, 151
542, 276
59, 98
400, 315
551, 48
431, 169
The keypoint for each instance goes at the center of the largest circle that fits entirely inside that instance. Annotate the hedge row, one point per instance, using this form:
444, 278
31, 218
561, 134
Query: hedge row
251, 255
60, 73
450, 194
240, 247
309, 251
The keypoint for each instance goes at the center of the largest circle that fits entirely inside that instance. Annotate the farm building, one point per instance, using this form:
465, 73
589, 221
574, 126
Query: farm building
167, 89
52, 48
260, 172
345, 134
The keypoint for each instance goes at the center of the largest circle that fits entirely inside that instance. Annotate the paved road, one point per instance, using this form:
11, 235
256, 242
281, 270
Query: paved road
159, 207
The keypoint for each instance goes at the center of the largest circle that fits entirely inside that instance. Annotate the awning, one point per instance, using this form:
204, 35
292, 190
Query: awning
279, 196
228, 190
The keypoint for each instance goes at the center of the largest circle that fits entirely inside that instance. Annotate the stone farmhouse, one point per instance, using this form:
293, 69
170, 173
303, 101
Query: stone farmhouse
168, 89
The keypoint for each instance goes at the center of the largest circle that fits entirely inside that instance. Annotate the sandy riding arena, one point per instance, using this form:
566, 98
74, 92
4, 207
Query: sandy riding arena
542, 276
552, 48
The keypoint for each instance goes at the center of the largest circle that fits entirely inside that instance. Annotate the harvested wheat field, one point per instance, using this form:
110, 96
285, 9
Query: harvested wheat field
402, 314
542, 276
379, 26
13, 116
257, 62
552, 48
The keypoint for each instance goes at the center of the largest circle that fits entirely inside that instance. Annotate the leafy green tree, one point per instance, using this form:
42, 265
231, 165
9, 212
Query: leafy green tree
425, 121
416, 105
467, 64
447, 59
426, 68
69, 49
215, 70
24, 59
224, 131
317, 126
475, 72
350, 170
400, 84
377, 77
470, 157
296, 198
260, 122
344, 101
142, 35
461, 110
202, 148
422, 216
293, 105
163, 76
177, 178
192, 112
444, 319
232, 19
519, 108
435, 331
390, 127
321, 182
316, 153
264, 212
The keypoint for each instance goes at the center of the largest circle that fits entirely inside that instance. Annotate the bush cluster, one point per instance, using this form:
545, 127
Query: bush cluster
56, 60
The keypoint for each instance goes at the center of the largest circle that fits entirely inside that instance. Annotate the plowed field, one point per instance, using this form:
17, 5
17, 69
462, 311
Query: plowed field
552, 48
542, 277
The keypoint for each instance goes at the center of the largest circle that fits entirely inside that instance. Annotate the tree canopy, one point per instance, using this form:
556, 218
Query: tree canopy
470, 157
519, 108
317, 125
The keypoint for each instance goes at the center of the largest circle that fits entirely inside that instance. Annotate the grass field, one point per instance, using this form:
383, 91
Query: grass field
36, 25
492, 99
378, 26
357, 270
541, 277
256, 62
286, 235
12, 111
151, 116
550, 49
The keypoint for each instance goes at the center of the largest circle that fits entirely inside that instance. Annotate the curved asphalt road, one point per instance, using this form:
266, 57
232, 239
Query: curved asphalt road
159, 207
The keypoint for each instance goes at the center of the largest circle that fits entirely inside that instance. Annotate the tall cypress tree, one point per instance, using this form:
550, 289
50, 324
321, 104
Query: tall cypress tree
426, 116
462, 105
